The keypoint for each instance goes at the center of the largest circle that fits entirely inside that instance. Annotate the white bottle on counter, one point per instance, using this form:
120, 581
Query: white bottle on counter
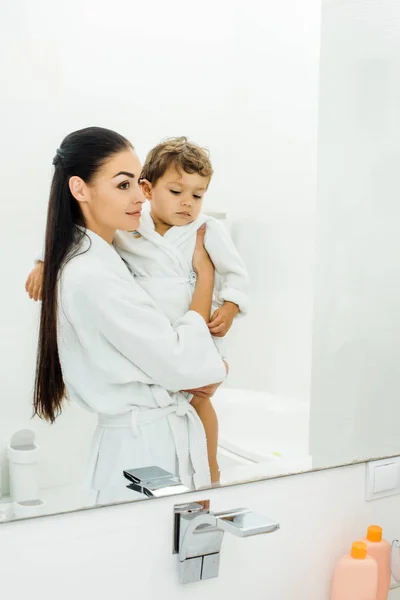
22, 452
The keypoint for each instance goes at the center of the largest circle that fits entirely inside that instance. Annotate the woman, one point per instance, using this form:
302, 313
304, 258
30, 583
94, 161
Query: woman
102, 340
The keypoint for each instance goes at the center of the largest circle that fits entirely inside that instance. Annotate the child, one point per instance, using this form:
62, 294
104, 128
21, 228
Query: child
175, 177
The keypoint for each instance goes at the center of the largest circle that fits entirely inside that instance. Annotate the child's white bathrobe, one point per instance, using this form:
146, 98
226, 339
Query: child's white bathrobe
162, 265
119, 355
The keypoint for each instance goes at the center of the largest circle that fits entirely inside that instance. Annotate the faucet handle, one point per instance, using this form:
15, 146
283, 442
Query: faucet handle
154, 482
244, 522
198, 536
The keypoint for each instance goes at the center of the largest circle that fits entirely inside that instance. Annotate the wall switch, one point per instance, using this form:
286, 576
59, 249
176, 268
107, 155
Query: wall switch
383, 478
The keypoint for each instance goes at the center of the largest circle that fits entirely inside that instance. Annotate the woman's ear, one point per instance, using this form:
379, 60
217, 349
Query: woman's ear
78, 189
147, 188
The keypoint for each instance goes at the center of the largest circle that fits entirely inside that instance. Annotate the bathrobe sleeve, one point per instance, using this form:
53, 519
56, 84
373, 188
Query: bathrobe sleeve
126, 324
39, 256
233, 286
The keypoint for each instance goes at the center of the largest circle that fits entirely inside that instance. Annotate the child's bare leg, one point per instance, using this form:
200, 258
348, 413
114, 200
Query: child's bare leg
208, 416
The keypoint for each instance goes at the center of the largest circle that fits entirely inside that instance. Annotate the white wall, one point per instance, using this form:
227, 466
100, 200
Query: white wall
356, 345
126, 551
239, 78
273, 148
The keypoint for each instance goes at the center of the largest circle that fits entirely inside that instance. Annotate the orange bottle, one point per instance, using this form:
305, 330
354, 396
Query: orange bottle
356, 575
380, 550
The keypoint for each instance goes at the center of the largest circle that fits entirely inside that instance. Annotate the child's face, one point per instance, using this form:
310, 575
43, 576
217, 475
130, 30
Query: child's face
177, 197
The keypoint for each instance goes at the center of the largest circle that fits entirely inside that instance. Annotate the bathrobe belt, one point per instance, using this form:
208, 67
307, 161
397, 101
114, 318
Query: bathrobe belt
189, 441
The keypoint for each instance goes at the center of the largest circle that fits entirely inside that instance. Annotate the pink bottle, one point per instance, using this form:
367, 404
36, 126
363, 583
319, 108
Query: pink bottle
381, 551
356, 576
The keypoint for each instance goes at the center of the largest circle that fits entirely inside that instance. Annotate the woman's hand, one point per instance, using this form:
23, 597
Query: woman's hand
202, 264
34, 283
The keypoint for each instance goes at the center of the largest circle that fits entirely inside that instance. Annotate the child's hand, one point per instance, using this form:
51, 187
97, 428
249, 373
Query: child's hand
34, 282
222, 319
201, 261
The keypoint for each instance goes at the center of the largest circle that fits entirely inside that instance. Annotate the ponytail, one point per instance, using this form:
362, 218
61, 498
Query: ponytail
80, 154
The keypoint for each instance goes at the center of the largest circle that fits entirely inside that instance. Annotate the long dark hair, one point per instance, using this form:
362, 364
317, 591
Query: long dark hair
81, 154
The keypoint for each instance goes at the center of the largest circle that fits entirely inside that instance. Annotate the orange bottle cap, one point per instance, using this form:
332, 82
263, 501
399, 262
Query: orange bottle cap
359, 550
374, 533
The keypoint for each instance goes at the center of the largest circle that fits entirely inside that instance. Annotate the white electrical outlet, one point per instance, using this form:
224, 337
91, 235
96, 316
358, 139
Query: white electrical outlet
383, 478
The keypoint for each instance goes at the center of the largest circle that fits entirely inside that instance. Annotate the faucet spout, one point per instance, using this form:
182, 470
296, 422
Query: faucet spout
154, 482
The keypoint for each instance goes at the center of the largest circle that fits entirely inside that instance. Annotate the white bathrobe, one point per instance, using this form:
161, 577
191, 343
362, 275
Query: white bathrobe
119, 355
162, 265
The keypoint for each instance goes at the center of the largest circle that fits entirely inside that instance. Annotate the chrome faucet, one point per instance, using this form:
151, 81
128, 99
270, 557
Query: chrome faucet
199, 534
154, 482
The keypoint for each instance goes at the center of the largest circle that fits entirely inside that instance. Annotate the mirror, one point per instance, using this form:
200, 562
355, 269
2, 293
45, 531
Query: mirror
300, 112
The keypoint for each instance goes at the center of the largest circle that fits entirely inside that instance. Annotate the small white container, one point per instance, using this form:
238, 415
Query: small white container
23, 452
30, 508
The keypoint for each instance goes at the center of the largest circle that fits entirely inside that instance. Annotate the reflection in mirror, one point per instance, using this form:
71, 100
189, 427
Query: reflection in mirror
140, 312
154, 482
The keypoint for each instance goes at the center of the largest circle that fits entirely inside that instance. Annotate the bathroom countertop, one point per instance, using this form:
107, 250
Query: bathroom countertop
56, 499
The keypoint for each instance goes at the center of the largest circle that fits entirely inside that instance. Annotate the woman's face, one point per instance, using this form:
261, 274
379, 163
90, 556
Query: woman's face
113, 199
